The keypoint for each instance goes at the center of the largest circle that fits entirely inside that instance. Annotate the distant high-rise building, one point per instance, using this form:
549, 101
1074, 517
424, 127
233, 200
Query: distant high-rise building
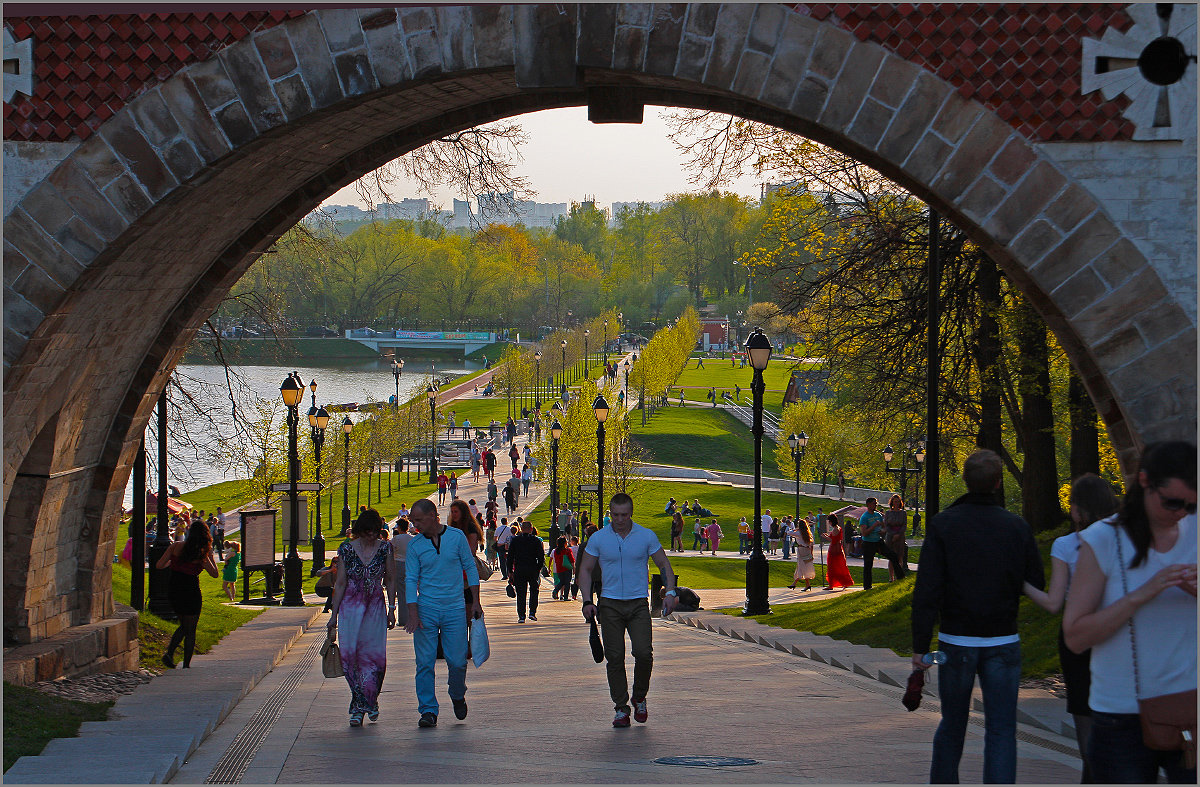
617, 207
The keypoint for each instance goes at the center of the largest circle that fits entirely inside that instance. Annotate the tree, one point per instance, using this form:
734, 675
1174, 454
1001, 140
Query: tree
836, 440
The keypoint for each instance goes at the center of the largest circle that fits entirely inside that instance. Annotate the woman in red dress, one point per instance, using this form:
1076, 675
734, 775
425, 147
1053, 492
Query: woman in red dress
838, 574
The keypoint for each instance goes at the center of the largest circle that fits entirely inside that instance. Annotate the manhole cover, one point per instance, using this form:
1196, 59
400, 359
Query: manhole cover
706, 762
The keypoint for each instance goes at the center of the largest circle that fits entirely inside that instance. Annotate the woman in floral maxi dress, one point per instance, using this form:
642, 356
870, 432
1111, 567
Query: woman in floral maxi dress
358, 615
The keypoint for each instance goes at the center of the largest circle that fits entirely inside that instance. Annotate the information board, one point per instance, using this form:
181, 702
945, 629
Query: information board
258, 539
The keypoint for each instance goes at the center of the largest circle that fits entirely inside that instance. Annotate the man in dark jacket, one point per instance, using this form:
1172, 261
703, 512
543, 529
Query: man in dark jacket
526, 559
974, 563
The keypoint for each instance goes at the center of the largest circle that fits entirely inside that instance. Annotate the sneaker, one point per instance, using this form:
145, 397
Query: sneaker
428, 720
460, 709
640, 713
621, 719
532, 616
356, 719
520, 620
373, 715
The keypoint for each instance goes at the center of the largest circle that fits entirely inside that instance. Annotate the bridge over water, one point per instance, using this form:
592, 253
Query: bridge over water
380, 341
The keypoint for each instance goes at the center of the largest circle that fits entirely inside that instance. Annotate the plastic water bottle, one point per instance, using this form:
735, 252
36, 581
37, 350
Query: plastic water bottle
933, 657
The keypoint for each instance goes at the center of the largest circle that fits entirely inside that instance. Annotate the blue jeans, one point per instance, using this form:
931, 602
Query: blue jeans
1116, 754
999, 669
787, 547
451, 620
744, 544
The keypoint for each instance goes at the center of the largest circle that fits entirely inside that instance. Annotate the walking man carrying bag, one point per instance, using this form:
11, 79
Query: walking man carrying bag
621, 551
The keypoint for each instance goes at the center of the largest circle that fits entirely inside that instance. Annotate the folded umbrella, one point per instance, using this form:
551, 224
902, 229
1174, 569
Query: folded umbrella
912, 696
594, 641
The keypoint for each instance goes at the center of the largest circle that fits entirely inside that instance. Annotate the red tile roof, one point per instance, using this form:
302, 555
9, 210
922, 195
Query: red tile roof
1022, 60
87, 67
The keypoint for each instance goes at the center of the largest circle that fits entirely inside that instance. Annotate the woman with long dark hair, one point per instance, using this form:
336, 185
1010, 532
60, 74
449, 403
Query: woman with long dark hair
367, 569
460, 517
1092, 499
1133, 602
895, 523
186, 559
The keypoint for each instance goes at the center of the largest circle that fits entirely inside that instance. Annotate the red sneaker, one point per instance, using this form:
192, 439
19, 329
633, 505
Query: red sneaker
639, 712
621, 719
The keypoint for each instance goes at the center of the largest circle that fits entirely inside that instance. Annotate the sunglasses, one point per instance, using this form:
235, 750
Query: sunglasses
1175, 503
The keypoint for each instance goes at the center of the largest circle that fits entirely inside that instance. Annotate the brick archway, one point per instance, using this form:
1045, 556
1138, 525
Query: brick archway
116, 258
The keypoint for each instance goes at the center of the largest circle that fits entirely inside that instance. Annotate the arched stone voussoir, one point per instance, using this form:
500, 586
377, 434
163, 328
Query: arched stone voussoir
123, 251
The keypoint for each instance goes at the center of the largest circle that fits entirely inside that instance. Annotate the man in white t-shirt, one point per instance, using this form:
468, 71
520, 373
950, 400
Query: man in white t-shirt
767, 521
621, 551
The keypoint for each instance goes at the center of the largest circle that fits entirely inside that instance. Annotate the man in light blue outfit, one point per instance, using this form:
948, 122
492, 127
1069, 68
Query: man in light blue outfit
434, 568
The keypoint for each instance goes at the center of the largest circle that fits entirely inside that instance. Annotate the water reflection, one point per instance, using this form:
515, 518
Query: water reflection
337, 383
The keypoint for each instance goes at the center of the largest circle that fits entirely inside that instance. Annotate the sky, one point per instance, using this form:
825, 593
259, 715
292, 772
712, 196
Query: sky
568, 158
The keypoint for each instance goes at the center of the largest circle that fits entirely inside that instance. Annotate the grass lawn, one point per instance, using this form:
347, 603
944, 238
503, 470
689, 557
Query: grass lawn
32, 719
227, 495
882, 618
716, 573
700, 437
728, 503
217, 619
479, 411
231, 494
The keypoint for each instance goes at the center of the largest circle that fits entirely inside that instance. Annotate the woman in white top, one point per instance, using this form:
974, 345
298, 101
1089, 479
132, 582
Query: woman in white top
1092, 499
1133, 602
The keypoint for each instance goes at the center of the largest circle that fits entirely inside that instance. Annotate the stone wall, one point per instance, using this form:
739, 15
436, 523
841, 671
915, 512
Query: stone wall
1149, 188
109, 645
28, 163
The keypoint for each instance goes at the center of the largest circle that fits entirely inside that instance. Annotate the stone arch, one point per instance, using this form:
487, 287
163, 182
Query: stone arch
119, 255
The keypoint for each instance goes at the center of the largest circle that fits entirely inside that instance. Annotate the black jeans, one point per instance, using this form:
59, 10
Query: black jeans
526, 583
869, 550
1117, 755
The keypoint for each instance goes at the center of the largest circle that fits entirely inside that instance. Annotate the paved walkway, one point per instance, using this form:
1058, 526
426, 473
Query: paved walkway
539, 712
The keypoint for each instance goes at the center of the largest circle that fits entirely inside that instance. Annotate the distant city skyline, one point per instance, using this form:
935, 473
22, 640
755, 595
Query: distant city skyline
567, 158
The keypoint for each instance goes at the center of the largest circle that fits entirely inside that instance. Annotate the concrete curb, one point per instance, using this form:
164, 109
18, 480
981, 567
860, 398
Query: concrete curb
151, 732
1035, 707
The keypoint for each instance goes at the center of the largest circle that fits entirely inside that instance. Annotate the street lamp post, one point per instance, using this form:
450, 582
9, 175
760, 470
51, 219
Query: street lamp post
586, 371
318, 419
292, 392
904, 470
758, 347
600, 408
397, 370
347, 426
798, 442
537, 357
158, 602
431, 392
555, 434
606, 345
564, 363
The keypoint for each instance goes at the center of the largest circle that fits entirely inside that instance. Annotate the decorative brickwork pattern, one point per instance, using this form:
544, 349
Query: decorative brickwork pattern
86, 68
1023, 60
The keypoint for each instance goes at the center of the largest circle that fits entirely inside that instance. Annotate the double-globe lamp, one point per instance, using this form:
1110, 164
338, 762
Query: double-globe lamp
758, 348
347, 427
318, 420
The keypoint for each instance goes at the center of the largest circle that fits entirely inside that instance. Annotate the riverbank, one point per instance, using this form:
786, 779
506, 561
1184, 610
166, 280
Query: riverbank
266, 352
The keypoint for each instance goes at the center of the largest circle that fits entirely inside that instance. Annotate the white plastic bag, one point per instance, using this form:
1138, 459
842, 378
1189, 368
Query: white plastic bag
479, 642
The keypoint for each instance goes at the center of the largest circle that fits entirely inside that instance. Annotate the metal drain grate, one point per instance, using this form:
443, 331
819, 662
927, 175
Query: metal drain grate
705, 762
241, 751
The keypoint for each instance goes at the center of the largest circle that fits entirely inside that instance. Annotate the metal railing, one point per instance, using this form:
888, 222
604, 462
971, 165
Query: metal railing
744, 412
